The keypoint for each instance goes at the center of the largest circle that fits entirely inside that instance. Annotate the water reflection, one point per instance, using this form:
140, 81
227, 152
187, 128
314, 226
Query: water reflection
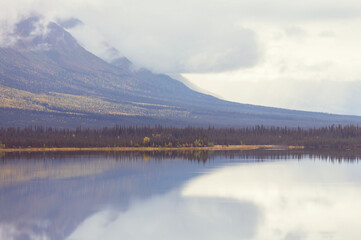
175, 195
172, 216
332, 155
299, 200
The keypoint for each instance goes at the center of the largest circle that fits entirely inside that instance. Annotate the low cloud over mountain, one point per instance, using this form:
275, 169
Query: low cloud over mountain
47, 78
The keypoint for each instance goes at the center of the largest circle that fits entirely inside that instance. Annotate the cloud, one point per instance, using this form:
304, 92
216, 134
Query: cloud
286, 11
294, 31
304, 66
257, 41
173, 38
320, 96
327, 34
178, 37
69, 23
94, 42
161, 36
6, 38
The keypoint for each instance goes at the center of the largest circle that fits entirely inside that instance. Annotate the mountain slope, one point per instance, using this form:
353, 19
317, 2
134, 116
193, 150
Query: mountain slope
47, 78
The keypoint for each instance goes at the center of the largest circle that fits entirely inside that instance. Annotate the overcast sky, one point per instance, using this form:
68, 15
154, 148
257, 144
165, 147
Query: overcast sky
300, 55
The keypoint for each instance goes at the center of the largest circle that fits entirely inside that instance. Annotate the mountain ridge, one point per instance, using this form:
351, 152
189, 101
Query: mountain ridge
47, 73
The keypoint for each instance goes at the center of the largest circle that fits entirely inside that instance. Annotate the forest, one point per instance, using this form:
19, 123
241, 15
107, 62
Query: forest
335, 136
133, 136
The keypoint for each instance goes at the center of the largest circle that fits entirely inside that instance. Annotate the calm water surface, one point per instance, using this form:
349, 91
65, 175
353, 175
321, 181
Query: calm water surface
201, 195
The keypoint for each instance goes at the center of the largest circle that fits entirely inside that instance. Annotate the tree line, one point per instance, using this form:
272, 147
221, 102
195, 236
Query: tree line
335, 136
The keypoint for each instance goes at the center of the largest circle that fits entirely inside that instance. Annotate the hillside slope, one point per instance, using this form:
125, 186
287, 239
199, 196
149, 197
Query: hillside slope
47, 78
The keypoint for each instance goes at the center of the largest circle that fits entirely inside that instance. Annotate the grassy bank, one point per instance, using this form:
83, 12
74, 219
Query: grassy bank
127, 149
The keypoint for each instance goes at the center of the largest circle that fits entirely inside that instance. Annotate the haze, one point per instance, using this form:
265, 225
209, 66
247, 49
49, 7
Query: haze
298, 55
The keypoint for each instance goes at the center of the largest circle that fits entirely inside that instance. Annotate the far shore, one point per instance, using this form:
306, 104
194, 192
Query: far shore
129, 149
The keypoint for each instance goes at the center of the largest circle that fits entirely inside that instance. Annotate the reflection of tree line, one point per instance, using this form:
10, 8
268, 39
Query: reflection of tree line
342, 137
332, 155
192, 155
14, 170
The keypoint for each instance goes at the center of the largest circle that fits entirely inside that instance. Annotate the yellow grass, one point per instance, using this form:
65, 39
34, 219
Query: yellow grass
128, 149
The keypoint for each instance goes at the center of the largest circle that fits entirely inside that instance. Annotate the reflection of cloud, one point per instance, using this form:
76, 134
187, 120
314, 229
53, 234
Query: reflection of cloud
14, 231
299, 200
172, 217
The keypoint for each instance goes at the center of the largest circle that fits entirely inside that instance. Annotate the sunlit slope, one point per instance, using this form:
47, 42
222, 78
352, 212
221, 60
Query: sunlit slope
81, 105
50, 79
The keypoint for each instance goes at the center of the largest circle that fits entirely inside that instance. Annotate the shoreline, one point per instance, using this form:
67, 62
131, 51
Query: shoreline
145, 149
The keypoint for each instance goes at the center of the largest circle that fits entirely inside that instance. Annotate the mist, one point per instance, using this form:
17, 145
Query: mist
223, 47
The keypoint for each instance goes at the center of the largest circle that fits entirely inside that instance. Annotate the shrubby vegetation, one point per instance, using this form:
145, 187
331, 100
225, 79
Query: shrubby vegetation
119, 136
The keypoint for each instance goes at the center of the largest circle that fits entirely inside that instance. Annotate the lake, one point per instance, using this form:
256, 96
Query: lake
254, 195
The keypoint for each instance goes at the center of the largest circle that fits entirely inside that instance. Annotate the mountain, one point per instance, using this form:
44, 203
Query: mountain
47, 78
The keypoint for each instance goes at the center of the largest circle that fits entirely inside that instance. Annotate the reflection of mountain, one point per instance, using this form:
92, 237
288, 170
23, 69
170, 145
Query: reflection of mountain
16, 172
64, 196
64, 189
46, 77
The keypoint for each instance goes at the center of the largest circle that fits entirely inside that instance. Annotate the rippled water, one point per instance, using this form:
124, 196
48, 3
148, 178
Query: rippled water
174, 195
